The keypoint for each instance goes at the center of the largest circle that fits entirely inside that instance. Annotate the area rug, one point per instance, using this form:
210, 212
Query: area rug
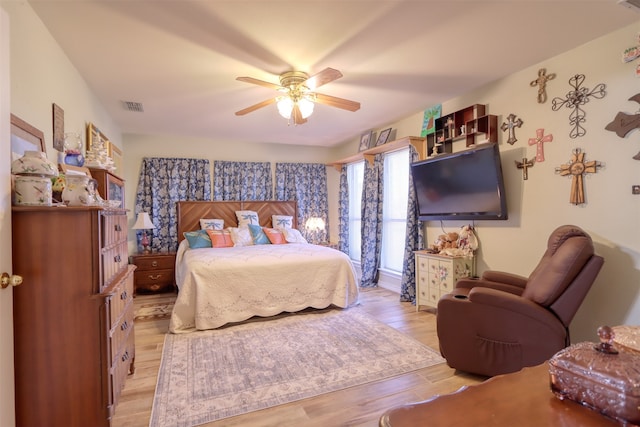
155, 310
205, 376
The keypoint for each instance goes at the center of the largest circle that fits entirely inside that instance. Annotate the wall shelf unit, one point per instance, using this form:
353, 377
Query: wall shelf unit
470, 124
418, 143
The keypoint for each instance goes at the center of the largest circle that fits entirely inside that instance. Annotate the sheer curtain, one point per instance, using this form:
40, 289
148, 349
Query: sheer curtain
372, 198
242, 180
306, 183
161, 183
413, 242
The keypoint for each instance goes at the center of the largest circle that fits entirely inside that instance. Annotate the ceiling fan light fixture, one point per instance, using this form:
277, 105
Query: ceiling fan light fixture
306, 107
285, 106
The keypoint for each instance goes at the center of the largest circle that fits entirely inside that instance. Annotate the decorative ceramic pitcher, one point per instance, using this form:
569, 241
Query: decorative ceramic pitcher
79, 190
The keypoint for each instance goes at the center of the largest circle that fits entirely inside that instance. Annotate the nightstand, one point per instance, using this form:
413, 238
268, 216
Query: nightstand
154, 273
437, 275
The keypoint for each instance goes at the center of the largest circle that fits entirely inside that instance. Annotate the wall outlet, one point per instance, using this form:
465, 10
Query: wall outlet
635, 189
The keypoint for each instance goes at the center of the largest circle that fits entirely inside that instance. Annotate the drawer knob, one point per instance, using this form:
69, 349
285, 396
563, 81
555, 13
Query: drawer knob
124, 326
154, 263
155, 277
123, 295
117, 258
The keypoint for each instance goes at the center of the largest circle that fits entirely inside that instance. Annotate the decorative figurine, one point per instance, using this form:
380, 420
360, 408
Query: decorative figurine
574, 99
633, 53
525, 165
541, 82
510, 125
577, 167
539, 141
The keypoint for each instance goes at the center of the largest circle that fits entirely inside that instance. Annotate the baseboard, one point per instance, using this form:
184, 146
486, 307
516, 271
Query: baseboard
387, 279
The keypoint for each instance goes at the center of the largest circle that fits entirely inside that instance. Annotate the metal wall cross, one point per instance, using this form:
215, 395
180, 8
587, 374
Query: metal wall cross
575, 99
525, 165
510, 125
577, 167
539, 141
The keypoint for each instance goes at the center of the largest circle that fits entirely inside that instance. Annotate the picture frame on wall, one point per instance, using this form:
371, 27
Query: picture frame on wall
25, 137
58, 128
365, 140
383, 137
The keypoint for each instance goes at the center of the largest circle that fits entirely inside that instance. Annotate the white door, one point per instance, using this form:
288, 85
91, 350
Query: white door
7, 411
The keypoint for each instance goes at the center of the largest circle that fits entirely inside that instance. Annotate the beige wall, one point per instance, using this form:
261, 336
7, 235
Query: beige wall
41, 75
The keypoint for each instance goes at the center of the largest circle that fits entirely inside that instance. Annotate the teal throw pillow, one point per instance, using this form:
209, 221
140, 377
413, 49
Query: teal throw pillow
258, 236
198, 239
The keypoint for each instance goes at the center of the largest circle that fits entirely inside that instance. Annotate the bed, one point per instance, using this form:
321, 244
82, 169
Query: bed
217, 286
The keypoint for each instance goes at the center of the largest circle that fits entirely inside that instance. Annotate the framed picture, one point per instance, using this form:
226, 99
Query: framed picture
25, 137
58, 128
94, 136
116, 155
382, 138
365, 140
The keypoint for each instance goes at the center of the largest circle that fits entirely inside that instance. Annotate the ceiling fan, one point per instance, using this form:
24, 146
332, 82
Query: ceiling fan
298, 96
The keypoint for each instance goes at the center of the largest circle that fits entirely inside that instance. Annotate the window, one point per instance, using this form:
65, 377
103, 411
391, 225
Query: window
355, 175
394, 209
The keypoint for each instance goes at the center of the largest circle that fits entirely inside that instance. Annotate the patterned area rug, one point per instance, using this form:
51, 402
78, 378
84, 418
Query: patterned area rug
205, 376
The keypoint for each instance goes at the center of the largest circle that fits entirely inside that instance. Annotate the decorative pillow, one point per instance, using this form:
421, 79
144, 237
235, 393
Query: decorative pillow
220, 238
276, 237
282, 221
258, 236
294, 236
240, 236
211, 224
247, 217
198, 239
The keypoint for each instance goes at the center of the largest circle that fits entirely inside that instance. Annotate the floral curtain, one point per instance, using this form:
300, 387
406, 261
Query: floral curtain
343, 211
414, 241
372, 196
242, 180
306, 183
163, 182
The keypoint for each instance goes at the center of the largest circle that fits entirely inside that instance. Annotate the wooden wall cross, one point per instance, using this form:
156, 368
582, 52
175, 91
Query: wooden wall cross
510, 125
525, 165
576, 98
577, 167
539, 141
623, 123
541, 82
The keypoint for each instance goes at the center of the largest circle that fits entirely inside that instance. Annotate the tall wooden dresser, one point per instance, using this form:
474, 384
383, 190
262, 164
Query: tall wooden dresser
73, 314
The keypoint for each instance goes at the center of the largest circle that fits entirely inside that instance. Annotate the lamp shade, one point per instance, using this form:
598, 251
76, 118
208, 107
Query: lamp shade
143, 222
315, 223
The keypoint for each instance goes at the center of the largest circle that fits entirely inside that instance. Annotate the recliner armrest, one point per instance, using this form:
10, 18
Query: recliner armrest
471, 283
503, 277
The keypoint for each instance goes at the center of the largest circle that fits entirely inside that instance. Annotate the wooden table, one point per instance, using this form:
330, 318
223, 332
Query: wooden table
521, 399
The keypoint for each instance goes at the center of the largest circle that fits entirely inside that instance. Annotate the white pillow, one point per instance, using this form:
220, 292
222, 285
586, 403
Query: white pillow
241, 236
282, 221
247, 217
211, 224
292, 235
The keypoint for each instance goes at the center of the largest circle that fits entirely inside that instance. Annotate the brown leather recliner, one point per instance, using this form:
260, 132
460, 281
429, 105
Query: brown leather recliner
503, 322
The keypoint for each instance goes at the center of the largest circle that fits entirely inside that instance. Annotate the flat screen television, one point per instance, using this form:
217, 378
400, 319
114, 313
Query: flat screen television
465, 185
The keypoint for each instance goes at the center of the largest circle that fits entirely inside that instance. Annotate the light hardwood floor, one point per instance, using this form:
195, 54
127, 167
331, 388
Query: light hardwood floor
356, 406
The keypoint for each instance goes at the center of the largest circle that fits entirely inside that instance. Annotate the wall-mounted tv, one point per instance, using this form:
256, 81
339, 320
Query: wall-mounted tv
465, 185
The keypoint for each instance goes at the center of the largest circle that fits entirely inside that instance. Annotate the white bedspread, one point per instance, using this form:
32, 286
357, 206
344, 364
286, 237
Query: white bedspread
223, 285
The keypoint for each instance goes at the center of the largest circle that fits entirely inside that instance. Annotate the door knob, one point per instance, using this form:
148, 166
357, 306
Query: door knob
13, 280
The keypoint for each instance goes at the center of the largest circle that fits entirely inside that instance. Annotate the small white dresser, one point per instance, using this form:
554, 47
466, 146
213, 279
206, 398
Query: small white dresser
436, 275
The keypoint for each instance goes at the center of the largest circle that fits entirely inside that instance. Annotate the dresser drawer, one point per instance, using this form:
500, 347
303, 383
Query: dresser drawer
121, 299
154, 280
155, 262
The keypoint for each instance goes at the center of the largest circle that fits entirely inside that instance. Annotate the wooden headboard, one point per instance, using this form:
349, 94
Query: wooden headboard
190, 213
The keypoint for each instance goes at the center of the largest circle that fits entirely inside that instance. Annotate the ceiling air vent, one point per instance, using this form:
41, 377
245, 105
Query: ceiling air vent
133, 106
630, 4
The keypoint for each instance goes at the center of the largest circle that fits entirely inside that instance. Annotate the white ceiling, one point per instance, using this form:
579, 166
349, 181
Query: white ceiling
180, 58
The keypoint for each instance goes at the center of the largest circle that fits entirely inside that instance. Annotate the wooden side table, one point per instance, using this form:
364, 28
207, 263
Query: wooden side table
155, 272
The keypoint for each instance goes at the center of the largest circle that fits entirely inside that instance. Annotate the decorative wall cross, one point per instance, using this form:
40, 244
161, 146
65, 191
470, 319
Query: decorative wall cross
539, 141
525, 165
510, 125
541, 82
624, 123
576, 98
577, 167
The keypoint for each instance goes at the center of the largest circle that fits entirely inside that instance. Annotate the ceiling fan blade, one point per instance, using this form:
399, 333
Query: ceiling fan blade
259, 82
333, 101
322, 78
256, 106
297, 115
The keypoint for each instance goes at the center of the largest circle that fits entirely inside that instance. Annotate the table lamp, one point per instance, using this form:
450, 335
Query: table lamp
143, 222
314, 225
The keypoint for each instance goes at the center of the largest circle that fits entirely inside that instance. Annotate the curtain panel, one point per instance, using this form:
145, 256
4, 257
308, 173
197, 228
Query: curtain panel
414, 240
242, 181
343, 211
163, 182
371, 227
306, 183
